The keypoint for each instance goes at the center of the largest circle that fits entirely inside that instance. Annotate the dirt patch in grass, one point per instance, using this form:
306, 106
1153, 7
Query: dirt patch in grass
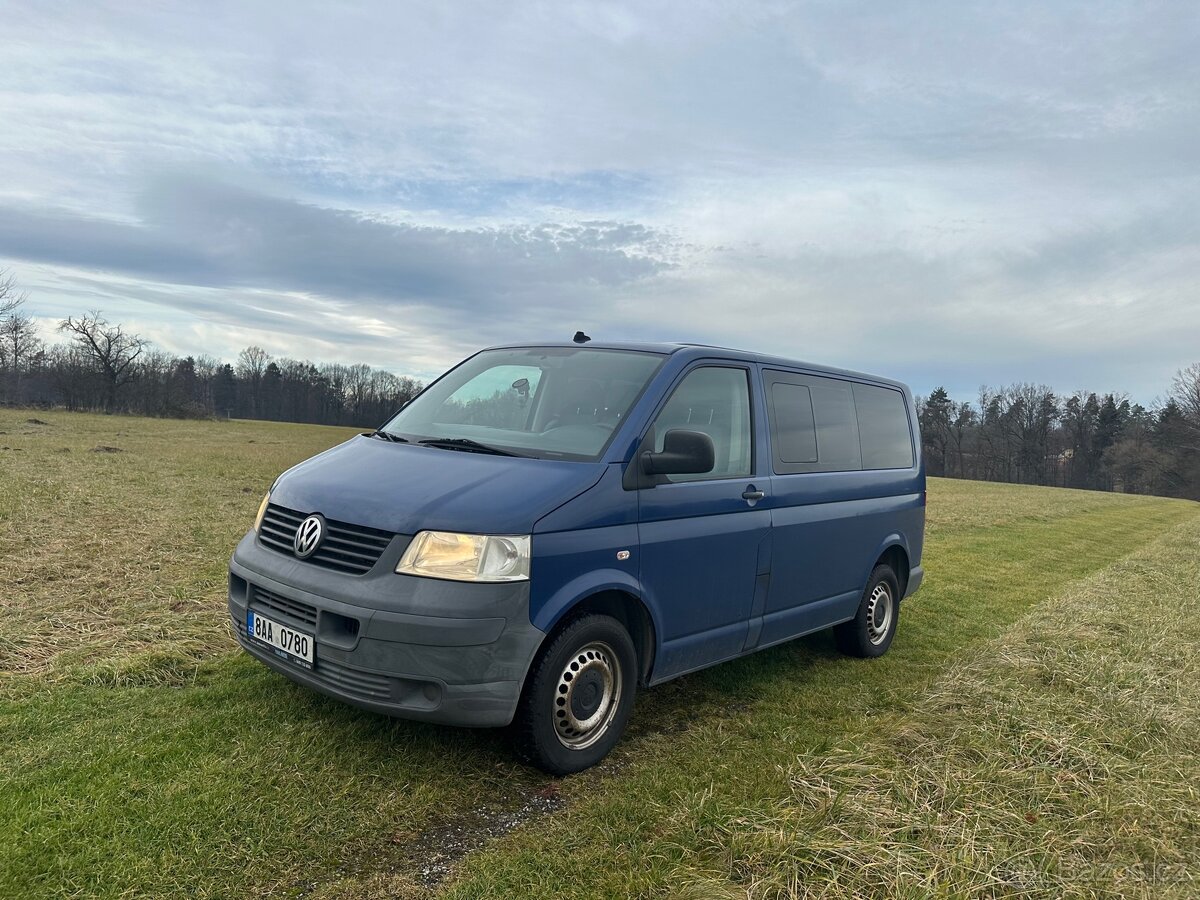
432, 855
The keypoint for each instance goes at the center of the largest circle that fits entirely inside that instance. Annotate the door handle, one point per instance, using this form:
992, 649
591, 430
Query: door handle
753, 495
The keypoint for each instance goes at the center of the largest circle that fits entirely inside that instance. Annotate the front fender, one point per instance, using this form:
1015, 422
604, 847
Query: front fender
597, 581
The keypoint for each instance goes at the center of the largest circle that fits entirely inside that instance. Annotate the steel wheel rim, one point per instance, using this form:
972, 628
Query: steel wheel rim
880, 610
586, 696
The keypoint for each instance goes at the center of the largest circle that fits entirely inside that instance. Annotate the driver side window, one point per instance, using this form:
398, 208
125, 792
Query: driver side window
714, 400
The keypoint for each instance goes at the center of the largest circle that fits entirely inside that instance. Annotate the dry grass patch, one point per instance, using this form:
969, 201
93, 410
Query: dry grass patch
114, 562
1061, 761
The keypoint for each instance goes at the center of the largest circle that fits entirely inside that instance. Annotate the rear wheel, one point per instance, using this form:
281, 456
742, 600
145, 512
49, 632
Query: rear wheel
578, 696
871, 630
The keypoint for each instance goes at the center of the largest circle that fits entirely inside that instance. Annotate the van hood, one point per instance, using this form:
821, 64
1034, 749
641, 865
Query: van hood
406, 488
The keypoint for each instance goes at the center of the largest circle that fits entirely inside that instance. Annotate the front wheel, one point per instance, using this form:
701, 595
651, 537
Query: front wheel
578, 696
871, 630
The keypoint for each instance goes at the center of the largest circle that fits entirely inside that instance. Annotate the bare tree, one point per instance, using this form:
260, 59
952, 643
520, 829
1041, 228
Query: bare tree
19, 343
110, 349
1033, 412
962, 424
1186, 392
252, 362
10, 297
251, 366
19, 340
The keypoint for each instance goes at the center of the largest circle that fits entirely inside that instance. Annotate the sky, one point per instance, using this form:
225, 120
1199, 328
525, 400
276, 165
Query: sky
947, 193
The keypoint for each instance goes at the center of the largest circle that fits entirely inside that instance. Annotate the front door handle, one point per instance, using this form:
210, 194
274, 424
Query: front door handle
753, 495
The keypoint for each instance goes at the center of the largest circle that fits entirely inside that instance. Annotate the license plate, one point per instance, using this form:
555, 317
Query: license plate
288, 642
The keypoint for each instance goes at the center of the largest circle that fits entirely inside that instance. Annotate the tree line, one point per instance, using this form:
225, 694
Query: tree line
1023, 433
102, 367
1026, 433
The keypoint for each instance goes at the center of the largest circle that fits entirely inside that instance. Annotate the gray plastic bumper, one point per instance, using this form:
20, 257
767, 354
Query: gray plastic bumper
915, 577
417, 648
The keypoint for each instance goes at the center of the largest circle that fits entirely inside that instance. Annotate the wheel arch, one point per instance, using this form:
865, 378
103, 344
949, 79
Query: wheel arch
894, 552
621, 602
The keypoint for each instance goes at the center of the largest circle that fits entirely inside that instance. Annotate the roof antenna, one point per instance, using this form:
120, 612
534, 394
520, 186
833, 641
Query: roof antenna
580, 338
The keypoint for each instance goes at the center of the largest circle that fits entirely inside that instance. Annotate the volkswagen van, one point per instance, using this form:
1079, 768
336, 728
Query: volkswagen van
546, 529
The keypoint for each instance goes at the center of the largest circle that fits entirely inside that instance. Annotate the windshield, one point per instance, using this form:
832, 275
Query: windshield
559, 403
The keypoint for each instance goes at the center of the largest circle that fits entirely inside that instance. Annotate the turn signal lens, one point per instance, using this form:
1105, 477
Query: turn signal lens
262, 511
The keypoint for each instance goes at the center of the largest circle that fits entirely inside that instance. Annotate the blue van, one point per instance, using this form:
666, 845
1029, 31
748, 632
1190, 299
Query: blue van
546, 528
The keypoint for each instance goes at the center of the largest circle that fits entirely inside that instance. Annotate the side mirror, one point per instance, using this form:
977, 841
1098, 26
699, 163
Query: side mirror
683, 453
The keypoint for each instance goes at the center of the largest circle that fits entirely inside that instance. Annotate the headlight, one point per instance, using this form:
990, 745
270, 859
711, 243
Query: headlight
262, 510
467, 557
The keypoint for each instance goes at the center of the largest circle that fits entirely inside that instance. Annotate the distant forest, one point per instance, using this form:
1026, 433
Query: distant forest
101, 367
1023, 433
1027, 434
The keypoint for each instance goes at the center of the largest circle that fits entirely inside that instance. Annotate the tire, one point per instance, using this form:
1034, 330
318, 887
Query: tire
870, 632
578, 696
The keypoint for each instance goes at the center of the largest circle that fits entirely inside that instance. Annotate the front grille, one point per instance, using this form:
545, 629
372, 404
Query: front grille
270, 602
353, 549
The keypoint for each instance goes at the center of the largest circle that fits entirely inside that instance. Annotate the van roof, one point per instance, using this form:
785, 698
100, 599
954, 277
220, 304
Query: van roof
698, 351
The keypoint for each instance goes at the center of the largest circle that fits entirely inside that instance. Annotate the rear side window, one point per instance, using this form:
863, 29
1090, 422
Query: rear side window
830, 425
883, 428
837, 425
795, 425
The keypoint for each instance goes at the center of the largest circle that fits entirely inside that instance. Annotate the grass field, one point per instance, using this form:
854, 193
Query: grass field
1033, 731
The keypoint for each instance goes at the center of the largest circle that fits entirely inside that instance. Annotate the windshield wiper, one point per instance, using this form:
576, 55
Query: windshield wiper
467, 445
388, 436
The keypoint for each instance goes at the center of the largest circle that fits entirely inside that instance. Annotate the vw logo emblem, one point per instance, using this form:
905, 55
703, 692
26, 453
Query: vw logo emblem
308, 536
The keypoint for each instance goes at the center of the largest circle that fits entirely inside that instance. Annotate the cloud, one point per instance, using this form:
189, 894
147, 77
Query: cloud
336, 281
950, 191
210, 234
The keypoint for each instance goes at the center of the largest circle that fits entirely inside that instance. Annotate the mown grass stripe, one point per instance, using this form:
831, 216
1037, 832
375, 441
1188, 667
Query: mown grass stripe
1057, 760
